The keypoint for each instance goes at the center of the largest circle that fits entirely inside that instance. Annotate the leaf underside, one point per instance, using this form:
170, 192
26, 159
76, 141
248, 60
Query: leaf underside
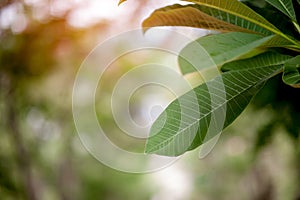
188, 122
188, 15
215, 50
263, 60
234, 20
238, 13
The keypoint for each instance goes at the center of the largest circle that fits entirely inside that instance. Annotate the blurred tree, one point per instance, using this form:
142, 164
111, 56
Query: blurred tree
25, 57
38, 159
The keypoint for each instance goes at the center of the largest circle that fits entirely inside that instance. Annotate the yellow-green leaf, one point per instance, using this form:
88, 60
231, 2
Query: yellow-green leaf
278, 41
240, 10
190, 15
233, 19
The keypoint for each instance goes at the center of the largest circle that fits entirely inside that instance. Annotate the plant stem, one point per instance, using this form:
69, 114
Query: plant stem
297, 26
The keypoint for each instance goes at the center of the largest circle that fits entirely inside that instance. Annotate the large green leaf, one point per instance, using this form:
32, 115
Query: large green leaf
285, 6
205, 111
189, 15
240, 10
234, 19
291, 73
263, 60
215, 50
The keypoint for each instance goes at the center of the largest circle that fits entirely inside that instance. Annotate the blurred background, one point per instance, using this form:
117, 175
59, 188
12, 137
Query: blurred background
42, 45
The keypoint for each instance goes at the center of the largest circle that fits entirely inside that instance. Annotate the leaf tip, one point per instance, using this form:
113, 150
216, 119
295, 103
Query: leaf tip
145, 26
146, 151
121, 1
145, 30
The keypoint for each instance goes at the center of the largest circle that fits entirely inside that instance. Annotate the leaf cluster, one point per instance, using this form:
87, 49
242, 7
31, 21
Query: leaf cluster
257, 40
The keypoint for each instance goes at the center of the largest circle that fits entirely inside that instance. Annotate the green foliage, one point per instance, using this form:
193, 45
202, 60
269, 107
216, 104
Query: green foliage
291, 75
285, 6
40, 152
215, 50
253, 52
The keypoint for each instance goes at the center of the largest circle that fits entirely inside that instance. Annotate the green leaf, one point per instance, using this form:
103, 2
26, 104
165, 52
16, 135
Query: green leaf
291, 73
278, 41
285, 6
240, 10
215, 50
205, 111
270, 13
263, 60
233, 19
189, 15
